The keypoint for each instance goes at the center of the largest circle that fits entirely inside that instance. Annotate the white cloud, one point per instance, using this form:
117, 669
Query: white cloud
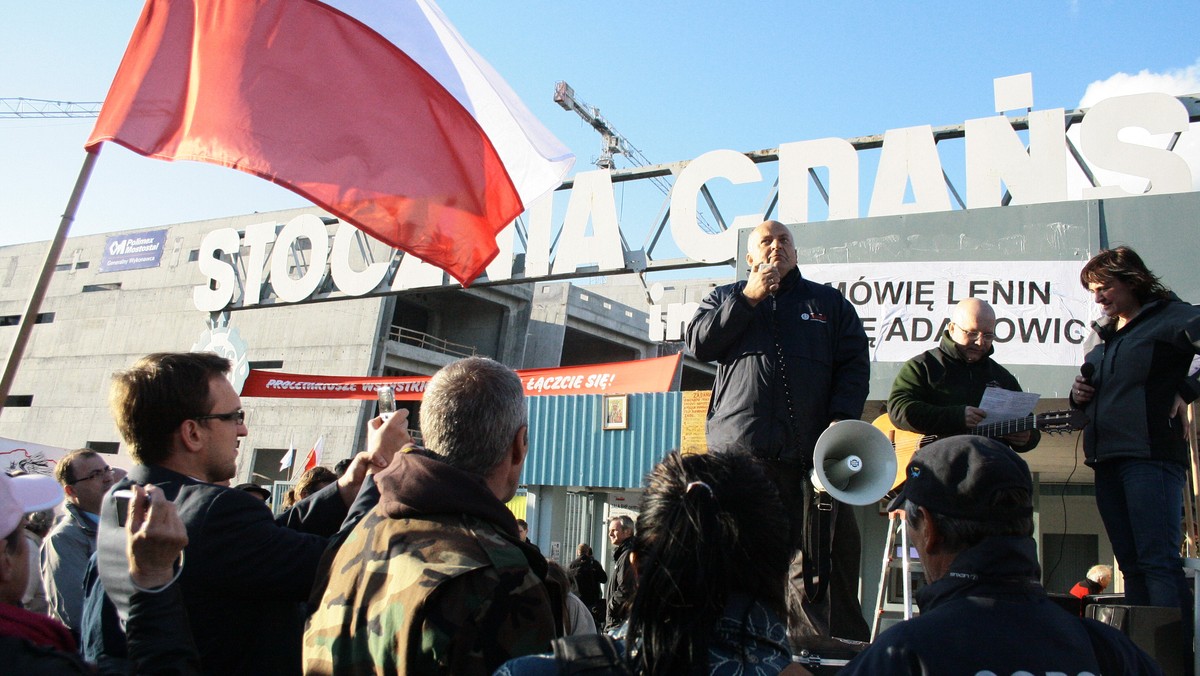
1176, 82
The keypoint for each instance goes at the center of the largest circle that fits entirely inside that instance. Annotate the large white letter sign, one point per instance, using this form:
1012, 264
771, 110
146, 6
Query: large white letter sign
685, 229
500, 269
996, 154
346, 278
414, 273
909, 154
217, 291
304, 226
537, 249
591, 198
795, 159
1157, 114
257, 237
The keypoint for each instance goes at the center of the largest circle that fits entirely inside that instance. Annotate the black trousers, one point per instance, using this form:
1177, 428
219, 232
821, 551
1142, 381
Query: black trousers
838, 613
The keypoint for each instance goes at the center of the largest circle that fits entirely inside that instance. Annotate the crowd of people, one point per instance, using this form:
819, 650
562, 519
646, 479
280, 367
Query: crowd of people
409, 560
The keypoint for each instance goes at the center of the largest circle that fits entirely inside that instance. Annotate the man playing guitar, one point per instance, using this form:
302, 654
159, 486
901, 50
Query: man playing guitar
936, 392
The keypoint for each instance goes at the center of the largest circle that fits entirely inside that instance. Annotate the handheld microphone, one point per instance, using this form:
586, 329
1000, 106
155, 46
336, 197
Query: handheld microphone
759, 268
1087, 370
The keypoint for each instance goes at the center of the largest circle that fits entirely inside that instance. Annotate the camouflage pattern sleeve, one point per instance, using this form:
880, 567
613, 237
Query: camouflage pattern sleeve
447, 595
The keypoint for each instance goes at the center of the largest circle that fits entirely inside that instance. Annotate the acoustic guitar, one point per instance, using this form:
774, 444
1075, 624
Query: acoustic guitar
907, 443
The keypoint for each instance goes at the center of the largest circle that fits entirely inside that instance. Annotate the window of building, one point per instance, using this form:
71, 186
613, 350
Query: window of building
13, 319
110, 447
18, 401
92, 288
267, 364
266, 466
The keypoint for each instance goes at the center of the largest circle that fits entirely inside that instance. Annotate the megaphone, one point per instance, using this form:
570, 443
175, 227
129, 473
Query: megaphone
854, 462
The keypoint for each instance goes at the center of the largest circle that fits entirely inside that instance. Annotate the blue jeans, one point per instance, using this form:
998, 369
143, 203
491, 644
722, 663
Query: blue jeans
1141, 504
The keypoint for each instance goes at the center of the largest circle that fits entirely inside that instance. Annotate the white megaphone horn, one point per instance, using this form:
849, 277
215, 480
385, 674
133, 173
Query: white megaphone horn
854, 462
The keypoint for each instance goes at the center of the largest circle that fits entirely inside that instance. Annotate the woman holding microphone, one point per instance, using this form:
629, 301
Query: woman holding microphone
1135, 387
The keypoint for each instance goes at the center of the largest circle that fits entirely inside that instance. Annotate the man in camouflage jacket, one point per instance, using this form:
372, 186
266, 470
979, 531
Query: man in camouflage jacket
435, 579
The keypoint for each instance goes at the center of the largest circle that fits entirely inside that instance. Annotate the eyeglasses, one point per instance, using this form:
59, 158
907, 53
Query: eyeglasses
973, 336
95, 474
238, 417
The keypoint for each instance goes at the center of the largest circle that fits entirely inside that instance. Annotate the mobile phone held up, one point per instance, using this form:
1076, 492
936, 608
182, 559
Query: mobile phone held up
387, 401
121, 499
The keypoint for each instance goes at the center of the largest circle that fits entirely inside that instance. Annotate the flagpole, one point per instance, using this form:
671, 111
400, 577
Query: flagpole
39, 290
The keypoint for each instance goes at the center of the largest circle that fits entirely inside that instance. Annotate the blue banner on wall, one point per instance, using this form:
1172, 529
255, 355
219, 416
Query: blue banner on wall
133, 252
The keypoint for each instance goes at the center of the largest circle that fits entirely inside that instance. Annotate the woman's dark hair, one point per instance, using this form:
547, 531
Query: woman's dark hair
1123, 264
712, 525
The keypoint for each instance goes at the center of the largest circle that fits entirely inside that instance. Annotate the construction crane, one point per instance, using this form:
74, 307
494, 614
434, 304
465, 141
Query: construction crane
613, 142
616, 144
22, 107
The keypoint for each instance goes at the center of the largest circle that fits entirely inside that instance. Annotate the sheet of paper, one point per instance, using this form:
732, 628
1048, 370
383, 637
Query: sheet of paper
1002, 404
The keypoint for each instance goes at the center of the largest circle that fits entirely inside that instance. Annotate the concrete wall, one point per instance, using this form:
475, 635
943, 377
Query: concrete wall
68, 364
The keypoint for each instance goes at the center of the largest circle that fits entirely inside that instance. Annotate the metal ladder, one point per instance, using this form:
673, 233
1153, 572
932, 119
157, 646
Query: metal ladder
890, 562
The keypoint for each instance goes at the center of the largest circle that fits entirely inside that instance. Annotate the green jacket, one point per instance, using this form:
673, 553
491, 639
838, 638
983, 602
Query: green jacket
933, 389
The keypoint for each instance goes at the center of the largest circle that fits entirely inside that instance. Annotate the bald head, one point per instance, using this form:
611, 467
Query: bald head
972, 328
970, 310
771, 243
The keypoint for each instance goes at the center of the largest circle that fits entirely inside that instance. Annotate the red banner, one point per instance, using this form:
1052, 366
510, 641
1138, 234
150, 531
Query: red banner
624, 377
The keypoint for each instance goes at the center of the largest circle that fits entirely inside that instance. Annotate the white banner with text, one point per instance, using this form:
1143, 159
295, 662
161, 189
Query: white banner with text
1043, 314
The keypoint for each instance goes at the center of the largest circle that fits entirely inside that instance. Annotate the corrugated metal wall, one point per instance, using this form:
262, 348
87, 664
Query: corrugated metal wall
567, 447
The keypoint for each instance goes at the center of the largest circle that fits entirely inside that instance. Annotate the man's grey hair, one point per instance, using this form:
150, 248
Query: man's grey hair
1100, 572
962, 534
626, 522
471, 412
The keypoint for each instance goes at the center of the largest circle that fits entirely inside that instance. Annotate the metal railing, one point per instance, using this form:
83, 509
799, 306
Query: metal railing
425, 341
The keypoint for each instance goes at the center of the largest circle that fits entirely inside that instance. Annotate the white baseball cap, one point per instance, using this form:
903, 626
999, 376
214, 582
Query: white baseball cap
24, 494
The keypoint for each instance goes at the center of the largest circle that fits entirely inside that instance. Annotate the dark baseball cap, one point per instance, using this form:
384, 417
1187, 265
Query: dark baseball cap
959, 477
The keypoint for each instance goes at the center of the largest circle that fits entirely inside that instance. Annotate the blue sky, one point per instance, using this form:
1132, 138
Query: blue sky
676, 78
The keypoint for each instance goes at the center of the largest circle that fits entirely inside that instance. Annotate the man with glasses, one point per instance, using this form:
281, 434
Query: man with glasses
938, 391
246, 573
85, 477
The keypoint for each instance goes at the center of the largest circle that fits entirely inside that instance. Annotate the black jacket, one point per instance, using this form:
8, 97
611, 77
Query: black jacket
933, 389
824, 349
990, 615
621, 585
245, 573
1139, 370
589, 575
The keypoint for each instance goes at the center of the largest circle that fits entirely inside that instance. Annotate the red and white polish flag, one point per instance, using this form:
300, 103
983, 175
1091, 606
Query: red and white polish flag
314, 454
377, 111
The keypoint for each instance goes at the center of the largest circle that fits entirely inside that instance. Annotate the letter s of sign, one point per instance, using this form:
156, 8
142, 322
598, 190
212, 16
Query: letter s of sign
220, 282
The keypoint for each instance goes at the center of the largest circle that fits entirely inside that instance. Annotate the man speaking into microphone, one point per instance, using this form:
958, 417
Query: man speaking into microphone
792, 359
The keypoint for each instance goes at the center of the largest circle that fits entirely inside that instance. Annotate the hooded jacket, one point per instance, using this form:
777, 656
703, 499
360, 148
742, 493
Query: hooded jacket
1138, 371
990, 615
433, 580
826, 366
